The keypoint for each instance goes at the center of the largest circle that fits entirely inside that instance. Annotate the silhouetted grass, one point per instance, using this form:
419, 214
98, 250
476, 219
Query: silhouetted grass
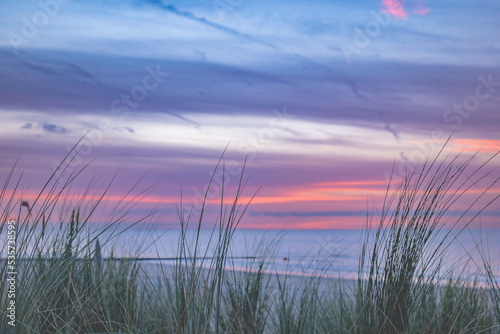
402, 261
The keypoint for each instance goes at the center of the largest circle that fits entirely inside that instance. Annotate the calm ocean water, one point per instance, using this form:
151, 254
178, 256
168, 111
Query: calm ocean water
332, 253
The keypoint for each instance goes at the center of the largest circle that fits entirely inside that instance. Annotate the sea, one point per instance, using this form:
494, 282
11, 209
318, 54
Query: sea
329, 253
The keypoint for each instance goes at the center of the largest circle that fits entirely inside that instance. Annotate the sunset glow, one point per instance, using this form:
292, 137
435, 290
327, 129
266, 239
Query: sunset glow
396, 8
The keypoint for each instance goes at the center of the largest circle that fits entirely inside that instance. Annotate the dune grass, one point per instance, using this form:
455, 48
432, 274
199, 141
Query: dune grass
64, 285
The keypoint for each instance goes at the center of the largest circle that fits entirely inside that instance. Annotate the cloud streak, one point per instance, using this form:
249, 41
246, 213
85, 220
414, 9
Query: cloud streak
340, 213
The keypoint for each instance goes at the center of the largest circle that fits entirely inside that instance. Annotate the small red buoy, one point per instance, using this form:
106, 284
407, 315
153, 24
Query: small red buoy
285, 259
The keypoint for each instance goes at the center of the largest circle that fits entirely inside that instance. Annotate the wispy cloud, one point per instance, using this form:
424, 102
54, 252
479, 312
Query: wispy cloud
59, 129
340, 213
399, 10
205, 21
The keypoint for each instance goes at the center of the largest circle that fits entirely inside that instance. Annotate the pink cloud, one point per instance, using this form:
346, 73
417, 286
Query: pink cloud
396, 8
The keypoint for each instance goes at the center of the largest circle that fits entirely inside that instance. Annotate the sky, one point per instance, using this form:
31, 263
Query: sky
322, 99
